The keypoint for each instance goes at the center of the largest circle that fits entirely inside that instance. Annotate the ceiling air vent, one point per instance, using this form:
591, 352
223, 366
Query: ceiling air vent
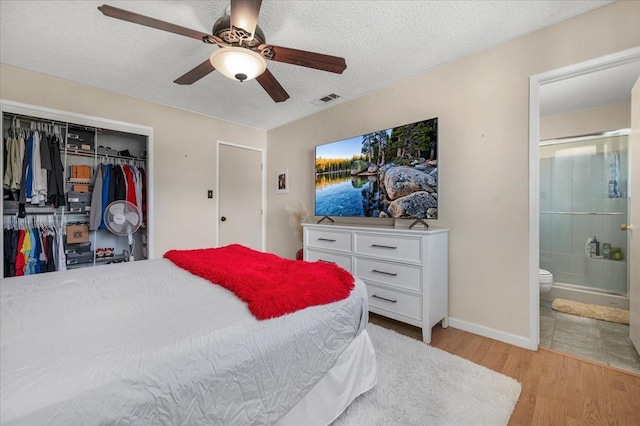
325, 99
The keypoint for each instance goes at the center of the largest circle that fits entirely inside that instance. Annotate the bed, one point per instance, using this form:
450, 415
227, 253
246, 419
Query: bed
149, 343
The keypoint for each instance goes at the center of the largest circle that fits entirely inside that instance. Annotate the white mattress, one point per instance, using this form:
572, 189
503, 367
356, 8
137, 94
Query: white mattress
148, 343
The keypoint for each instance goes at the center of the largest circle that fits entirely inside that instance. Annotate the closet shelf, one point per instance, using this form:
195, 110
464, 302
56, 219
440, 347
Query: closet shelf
91, 153
79, 152
117, 257
32, 211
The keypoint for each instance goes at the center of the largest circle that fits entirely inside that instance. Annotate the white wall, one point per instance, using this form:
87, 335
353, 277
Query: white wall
482, 104
184, 149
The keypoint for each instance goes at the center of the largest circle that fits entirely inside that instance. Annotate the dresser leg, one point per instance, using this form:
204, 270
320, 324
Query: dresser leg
426, 335
445, 322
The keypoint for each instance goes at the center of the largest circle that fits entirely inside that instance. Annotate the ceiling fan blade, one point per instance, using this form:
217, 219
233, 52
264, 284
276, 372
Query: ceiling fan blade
303, 58
196, 74
272, 87
244, 14
136, 18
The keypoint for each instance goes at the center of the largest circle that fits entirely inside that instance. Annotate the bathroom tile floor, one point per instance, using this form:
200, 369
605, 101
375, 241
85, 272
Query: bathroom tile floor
601, 341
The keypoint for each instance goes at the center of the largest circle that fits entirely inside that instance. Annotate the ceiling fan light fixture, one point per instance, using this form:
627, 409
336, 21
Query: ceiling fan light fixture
238, 63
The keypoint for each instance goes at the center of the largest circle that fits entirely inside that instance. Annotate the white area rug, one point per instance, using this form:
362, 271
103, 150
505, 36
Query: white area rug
421, 385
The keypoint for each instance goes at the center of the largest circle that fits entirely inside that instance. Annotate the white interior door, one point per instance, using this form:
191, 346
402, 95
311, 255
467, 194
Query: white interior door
240, 196
634, 218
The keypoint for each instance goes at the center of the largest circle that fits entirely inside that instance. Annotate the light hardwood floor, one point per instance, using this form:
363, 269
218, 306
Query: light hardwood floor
557, 389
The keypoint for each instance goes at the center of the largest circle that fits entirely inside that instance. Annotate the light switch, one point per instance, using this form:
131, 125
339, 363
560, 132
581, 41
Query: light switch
210, 194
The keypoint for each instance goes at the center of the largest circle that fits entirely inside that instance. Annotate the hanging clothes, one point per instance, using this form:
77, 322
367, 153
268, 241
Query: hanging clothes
51, 263
13, 165
26, 178
144, 195
131, 185
26, 251
95, 214
106, 184
58, 248
10, 236
55, 187
32, 249
137, 177
14, 152
19, 256
120, 192
38, 183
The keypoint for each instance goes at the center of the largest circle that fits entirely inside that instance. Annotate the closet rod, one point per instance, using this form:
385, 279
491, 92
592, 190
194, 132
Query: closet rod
30, 211
34, 119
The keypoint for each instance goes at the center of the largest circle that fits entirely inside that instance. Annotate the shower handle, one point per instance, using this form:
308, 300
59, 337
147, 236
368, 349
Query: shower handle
625, 227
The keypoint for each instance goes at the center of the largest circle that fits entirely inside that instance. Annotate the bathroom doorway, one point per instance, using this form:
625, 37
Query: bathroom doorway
559, 216
584, 194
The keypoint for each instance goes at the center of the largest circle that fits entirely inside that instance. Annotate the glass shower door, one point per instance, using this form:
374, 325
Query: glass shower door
583, 199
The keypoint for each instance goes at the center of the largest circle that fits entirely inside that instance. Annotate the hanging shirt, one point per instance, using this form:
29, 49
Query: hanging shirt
42, 259
137, 178
21, 149
39, 182
131, 186
55, 187
95, 214
120, 192
12, 168
144, 195
27, 181
34, 260
20, 254
58, 250
26, 251
106, 183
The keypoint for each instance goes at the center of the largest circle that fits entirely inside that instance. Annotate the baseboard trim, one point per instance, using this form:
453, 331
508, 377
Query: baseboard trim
492, 333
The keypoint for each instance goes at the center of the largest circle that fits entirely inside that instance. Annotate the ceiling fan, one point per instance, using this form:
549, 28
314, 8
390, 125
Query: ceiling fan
243, 49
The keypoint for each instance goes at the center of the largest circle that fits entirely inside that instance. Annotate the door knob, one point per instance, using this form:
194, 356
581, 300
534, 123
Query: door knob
625, 227
223, 218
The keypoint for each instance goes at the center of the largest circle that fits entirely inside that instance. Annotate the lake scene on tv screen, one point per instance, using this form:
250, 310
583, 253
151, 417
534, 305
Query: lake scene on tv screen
391, 173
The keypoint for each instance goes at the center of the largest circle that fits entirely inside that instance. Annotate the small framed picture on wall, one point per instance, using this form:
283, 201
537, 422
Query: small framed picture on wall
282, 182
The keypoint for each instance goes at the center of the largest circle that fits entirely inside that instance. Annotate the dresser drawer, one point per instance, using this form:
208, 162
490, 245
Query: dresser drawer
388, 246
395, 274
328, 239
342, 260
409, 305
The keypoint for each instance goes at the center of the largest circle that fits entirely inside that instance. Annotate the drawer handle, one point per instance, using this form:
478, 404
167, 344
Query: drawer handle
381, 246
327, 261
327, 239
384, 298
383, 272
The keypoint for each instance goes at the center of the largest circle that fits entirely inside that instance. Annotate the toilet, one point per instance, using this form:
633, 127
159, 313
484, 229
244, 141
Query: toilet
546, 281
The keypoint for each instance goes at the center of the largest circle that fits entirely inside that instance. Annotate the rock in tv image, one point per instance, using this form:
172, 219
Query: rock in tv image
390, 173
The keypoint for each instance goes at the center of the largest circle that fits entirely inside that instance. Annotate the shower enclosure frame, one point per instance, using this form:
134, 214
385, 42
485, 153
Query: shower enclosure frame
584, 293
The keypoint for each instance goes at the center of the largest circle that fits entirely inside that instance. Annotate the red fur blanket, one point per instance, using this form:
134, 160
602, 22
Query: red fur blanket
270, 285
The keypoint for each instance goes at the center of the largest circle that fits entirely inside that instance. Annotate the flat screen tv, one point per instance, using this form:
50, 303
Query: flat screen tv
391, 173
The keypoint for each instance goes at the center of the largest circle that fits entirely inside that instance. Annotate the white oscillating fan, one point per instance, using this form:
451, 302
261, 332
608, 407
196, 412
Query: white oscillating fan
123, 218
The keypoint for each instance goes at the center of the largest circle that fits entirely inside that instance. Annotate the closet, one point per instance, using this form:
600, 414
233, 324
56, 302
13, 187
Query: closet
69, 181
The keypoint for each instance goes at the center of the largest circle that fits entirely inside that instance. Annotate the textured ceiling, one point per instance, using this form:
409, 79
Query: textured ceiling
383, 42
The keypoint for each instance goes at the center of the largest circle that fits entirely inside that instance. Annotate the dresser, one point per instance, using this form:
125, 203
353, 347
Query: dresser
405, 270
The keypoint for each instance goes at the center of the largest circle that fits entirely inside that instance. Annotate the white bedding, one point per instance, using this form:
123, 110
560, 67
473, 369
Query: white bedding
148, 343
